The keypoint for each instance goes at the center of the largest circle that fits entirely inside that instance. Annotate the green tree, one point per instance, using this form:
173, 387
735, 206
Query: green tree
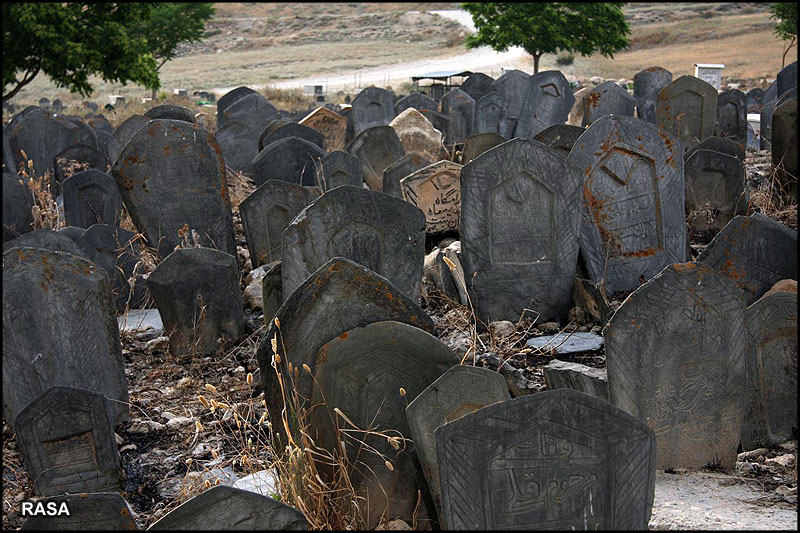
548, 28
786, 27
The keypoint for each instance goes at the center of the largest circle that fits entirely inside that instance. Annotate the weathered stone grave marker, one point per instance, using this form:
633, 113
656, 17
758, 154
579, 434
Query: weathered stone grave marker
548, 101
715, 189
377, 148
416, 100
755, 99
292, 129
721, 145
123, 134
784, 145
512, 85
475, 145
732, 115
372, 107
98, 511
560, 137
401, 168
17, 204
339, 168
460, 107
416, 133
687, 109
608, 98
231, 96
44, 238
436, 191
477, 85
236, 141
170, 112
72, 159
490, 111
289, 159
91, 197
251, 109
646, 85
787, 78
330, 124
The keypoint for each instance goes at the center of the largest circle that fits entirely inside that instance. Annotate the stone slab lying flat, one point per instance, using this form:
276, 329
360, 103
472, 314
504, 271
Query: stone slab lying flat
567, 343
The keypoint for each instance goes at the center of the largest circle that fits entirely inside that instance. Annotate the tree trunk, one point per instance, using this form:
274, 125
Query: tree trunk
536, 63
153, 95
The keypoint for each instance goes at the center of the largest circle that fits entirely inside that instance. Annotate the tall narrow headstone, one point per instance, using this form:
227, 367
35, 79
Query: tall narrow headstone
687, 109
765, 124
91, 197
436, 191
490, 110
715, 190
512, 85
732, 115
377, 148
372, 107
460, 107
548, 101
608, 98
339, 168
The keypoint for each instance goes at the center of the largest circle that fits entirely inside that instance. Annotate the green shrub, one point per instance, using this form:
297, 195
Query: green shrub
565, 58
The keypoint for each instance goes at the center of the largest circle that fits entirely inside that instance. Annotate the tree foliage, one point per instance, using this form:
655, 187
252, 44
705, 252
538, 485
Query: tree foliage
786, 27
173, 23
548, 28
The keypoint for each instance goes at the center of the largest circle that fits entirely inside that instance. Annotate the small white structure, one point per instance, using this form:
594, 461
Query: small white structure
113, 99
709, 73
180, 92
312, 89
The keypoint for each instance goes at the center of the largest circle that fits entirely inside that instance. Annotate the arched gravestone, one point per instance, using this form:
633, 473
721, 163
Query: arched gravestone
274, 124
361, 372
9, 160
648, 82
17, 204
558, 459
401, 168
721, 145
66, 437
755, 98
460, 107
784, 145
123, 134
676, 359
459, 391
520, 216
560, 137
339, 296
100, 123
75, 158
755, 252
771, 410
72, 232
196, 291
490, 110
715, 190
548, 101
633, 201
232, 96
252, 109
87, 132
171, 174
377, 148
170, 112
475, 145
416, 100
765, 134
292, 129
46, 239
608, 98
687, 109
478, 85
102, 142
91, 197
787, 78
732, 115
330, 124
512, 85
239, 146
376, 230
289, 159
99, 511
266, 212
59, 307
436, 191
339, 168
227, 508
372, 107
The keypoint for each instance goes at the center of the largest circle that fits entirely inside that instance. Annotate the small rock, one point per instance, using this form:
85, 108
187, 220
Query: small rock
551, 327
502, 328
783, 490
185, 383
128, 448
159, 344
744, 468
180, 421
166, 415
118, 439
201, 450
253, 295
145, 426
744, 456
394, 525
786, 461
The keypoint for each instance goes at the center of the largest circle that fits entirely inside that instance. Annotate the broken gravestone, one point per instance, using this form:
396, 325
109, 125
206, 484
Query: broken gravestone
330, 124
436, 191
406, 165
372, 107
548, 101
560, 137
289, 159
715, 190
339, 168
687, 109
123, 134
732, 115
91, 197
377, 148
608, 98
565, 375
96, 511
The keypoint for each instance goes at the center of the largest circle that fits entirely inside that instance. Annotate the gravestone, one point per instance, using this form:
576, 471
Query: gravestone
459, 391
232, 96
477, 85
475, 145
239, 145
755, 252
721, 145
633, 201
766, 124
771, 410
75, 158
349, 134
784, 145
377, 148
196, 291
361, 372
490, 110
123, 134
273, 125
416, 133
66, 437
416, 100
339, 168
575, 117
558, 459
687, 109
72, 232
648, 82
436, 191
376, 230
512, 85
676, 358
289, 159
560, 137
228, 508
271, 293
330, 124
339, 296
715, 190
100, 123
548, 101
87, 132
170, 112
439, 121
787, 78
171, 174
791, 93
17, 204
519, 225
292, 129
91, 197
608, 98
460, 107
372, 107
771, 93
46, 239
732, 115
102, 142
266, 212
401, 168
755, 98
95, 511
252, 109
565, 375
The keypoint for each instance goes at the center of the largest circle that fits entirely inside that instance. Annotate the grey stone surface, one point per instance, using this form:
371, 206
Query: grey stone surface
478, 85
633, 221
548, 101
377, 148
460, 107
755, 99
376, 230
557, 459
687, 109
560, 137
787, 78
17, 204
141, 321
608, 98
647, 81
771, 93
231, 96
520, 216
575, 376
123, 134
401, 168
292, 129
170, 112
99, 124
475, 145
765, 133
266, 212
732, 115
372, 107
361, 372
239, 147
196, 291
44, 238
79, 157
289, 159
675, 351
66, 437
416, 100
436, 191
251, 109
721, 145
72, 232
339, 168
94, 511
784, 145
91, 197
714, 181
271, 292
490, 110
567, 343
172, 174
755, 252
512, 85
228, 508
440, 121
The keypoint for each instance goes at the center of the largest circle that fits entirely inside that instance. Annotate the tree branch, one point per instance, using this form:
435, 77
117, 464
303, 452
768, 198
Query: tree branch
29, 75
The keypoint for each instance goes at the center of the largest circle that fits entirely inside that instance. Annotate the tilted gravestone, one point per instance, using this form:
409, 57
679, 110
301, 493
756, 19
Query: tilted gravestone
330, 124
548, 101
75, 158
361, 372
376, 230
196, 291
771, 93
459, 391
239, 146
232, 96
460, 107
349, 130
292, 129
633, 201
787, 78
755, 252
252, 109
475, 145
784, 145
676, 359
416, 133
478, 85
416, 100
72, 232
99, 124
98, 511
289, 159
520, 216
765, 119
91, 197
228, 508
512, 85
170, 112
171, 174
44, 238
102, 141
648, 82
17, 204
687, 109
490, 110
558, 459
439, 120
60, 328
377, 148
608, 98
575, 117
339, 296
372, 107
732, 115
436, 191
771, 410
721, 145
339, 168
66, 437
401, 168
560, 137
87, 132
715, 190
123, 134
755, 99
266, 212
271, 293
